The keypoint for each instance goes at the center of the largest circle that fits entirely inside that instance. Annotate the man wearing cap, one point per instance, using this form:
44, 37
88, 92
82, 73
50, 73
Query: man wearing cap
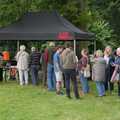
50, 68
34, 65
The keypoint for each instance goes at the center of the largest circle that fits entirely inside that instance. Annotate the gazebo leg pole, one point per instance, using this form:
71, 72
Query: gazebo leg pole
94, 45
18, 44
75, 46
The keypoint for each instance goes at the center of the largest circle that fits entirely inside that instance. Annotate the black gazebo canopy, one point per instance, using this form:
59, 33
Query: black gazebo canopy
43, 26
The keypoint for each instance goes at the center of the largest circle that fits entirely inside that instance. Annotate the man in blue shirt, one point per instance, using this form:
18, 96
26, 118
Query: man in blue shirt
58, 69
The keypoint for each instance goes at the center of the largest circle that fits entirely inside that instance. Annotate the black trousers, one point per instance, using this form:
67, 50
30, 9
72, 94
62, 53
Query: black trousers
119, 88
70, 74
108, 85
64, 81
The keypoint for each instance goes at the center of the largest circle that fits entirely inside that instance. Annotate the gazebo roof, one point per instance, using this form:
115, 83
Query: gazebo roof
43, 26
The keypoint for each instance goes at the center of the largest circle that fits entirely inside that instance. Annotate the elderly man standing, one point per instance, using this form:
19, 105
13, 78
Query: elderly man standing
69, 62
34, 65
22, 58
50, 68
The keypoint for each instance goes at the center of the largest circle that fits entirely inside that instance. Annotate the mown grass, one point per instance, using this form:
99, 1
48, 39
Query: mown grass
36, 103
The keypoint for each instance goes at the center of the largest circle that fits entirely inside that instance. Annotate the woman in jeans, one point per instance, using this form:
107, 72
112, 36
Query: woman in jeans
82, 64
98, 72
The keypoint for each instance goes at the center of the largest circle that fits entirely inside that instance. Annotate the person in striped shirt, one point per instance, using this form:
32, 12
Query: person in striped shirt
34, 65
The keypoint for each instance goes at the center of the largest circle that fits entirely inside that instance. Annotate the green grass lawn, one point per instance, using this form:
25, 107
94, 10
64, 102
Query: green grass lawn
36, 103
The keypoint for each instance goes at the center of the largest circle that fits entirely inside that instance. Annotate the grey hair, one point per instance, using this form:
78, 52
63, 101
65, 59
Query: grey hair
108, 47
33, 49
22, 47
99, 53
52, 44
118, 49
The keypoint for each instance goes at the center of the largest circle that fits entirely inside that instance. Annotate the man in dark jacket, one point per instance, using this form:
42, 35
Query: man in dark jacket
34, 65
69, 62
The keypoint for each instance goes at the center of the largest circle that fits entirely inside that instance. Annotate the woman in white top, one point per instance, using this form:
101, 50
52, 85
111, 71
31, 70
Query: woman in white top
22, 58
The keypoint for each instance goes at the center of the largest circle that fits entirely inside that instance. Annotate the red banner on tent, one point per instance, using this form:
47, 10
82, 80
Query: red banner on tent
64, 36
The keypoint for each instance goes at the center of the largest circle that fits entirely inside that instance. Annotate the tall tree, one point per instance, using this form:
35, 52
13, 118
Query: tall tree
11, 10
110, 11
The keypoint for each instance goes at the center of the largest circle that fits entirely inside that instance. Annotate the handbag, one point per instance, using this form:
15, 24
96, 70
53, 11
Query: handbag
87, 71
115, 75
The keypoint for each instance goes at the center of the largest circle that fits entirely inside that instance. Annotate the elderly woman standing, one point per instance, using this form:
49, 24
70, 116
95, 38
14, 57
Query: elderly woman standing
98, 72
22, 58
109, 58
82, 64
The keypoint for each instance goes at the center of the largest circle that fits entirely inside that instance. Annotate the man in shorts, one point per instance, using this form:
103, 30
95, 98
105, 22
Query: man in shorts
58, 69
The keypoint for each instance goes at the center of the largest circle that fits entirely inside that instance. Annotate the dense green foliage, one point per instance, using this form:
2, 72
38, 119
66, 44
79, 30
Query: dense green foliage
103, 33
12, 10
98, 16
108, 10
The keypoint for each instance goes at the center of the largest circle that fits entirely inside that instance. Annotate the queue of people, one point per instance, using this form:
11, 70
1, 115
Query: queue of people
105, 70
61, 64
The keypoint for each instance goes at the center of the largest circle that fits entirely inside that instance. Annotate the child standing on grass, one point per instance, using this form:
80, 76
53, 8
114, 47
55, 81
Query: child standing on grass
58, 70
98, 72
